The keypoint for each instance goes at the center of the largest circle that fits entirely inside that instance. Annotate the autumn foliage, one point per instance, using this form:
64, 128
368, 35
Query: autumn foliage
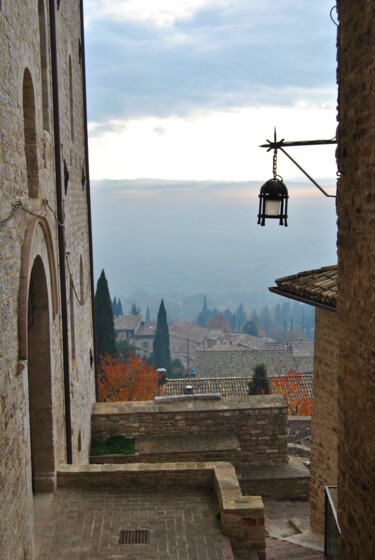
130, 380
294, 392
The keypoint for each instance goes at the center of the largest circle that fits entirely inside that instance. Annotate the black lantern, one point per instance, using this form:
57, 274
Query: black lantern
273, 201
273, 196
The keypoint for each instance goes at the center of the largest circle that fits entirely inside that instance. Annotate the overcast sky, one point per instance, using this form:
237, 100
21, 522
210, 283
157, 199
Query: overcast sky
182, 92
187, 89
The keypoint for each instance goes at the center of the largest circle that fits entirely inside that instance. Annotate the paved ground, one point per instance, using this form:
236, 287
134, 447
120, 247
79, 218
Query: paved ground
86, 524
285, 541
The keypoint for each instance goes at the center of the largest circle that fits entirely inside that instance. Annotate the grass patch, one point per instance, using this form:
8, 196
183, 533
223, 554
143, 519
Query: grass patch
115, 445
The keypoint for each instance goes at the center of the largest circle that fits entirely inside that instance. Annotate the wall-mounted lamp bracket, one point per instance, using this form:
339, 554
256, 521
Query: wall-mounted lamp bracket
282, 144
273, 196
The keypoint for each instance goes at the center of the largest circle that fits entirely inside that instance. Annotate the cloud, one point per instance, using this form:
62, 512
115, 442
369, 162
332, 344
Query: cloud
108, 127
212, 55
214, 145
160, 130
162, 13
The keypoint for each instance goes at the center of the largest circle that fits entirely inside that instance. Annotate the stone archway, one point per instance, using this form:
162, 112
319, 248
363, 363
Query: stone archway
40, 386
37, 310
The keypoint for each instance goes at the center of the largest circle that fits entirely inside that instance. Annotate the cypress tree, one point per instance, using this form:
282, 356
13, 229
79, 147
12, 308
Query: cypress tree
105, 328
161, 350
259, 383
119, 307
148, 315
135, 310
114, 307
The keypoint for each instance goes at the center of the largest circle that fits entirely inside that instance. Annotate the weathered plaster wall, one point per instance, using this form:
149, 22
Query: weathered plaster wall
324, 421
356, 278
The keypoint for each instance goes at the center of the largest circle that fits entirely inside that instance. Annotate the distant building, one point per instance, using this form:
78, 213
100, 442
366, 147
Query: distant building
186, 339
319, 288
240, 362
136, 331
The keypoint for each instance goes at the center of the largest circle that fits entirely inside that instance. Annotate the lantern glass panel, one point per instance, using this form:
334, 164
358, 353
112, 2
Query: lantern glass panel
272, 207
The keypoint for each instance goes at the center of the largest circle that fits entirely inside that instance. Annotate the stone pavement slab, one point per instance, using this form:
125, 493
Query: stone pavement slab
86, 524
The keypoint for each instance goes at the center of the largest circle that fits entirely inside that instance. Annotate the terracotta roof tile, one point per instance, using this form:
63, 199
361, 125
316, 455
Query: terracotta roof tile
317, 287
127, 322
231, 386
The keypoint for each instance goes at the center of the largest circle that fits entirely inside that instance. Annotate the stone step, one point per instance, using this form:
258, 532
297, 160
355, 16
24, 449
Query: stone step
276, 480
278, 549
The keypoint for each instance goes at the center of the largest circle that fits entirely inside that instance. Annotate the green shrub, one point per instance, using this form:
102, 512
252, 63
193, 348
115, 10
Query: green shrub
115, 445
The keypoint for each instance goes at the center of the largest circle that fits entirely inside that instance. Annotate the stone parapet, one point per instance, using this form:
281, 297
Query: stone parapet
259, 423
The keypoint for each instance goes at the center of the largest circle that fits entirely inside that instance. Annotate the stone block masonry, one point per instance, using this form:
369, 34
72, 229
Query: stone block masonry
325, 416
259, 423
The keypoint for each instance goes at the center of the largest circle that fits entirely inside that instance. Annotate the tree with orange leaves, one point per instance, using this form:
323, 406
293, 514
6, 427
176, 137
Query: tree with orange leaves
295, 394
130, 380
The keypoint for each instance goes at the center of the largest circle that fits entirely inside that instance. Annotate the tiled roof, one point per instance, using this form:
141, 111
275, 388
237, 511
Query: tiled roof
317, 287
242, 341
231, 386
146, 329
234, 363
185, 330
127, 322
304, 364
302, 349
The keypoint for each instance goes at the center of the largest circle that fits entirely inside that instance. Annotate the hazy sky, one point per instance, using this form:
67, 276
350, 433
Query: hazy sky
187, 89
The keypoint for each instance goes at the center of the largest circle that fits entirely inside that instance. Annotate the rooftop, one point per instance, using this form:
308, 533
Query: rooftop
232, 386
236, 363
127, 322
316, 287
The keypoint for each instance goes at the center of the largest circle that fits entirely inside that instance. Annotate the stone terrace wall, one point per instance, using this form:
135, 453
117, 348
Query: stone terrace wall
260, 423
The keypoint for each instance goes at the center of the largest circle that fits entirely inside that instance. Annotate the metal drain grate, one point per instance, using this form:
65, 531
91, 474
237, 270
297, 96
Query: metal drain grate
135, 536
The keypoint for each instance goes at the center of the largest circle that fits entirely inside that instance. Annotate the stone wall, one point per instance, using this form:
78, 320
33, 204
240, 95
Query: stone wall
260, 423
356, 278
323, 467
30, 289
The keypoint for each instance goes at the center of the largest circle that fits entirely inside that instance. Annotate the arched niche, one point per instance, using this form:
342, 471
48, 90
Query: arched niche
37, 242
30, 138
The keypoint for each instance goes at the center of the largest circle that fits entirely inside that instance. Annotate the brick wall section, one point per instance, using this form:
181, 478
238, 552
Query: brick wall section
356, 278
260, 423
325, 414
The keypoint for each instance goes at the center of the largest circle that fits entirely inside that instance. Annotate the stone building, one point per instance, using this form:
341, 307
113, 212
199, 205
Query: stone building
355, 314
356, 278
319, 288
47, 381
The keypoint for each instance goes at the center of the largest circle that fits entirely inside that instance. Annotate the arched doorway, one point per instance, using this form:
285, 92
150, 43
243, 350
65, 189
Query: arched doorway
40, 386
